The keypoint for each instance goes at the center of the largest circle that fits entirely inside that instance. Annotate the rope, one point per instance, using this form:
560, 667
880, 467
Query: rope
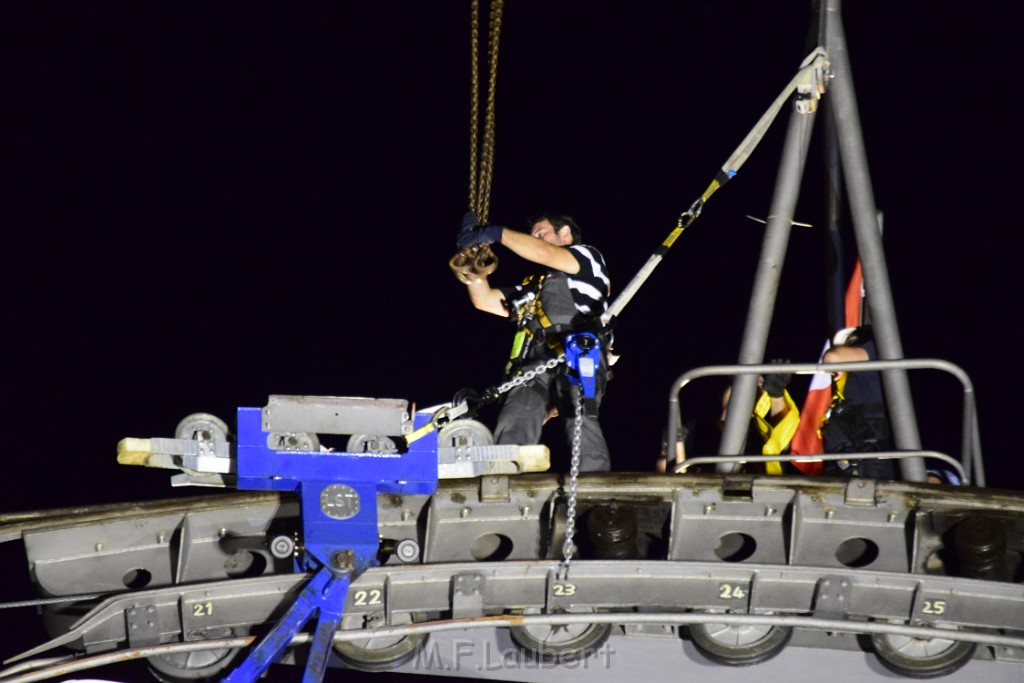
809, 84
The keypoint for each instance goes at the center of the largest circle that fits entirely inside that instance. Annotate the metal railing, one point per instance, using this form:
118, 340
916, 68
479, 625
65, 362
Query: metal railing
971, 463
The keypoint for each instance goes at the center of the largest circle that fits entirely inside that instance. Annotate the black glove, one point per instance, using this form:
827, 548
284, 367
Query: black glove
485, 235
469, 221
775, 384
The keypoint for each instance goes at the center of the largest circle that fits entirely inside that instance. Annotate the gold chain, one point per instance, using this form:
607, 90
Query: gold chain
478, 260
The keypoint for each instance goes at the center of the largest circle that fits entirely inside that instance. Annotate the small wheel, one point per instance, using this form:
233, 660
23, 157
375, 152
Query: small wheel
921, 657
197, 666
739, 645
560, 642
383, 653
464, 432
202, 427
368, 443
293, 441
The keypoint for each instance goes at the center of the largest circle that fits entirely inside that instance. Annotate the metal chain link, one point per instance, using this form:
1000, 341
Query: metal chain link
474, 101
481, 168
527, 376
574, 473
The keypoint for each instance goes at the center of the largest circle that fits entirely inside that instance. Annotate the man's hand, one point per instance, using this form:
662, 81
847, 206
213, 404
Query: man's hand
485, 235
469, 222
775, 384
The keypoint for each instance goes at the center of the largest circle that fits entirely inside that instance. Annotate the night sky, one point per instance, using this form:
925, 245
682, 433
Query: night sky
208, 203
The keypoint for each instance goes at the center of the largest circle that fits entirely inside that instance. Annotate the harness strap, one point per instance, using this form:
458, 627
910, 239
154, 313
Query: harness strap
809, 84
776, 437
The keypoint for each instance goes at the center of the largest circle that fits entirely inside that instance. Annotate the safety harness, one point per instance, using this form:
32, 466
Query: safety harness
853, 426
776, 437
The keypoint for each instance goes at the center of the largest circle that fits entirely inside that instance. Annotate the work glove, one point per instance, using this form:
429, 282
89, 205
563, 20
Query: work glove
775, 384
469, 221
487, 234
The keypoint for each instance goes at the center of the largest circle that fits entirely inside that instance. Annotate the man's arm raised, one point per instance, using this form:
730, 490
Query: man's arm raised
538, 251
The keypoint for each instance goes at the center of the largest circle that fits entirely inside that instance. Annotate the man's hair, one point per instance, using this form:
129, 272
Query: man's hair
559, 221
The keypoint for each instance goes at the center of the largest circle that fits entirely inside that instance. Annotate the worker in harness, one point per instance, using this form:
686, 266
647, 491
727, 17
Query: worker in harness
568, 297
857, 421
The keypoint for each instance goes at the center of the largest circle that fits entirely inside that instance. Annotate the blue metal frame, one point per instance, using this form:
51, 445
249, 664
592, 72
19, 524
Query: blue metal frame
338, 493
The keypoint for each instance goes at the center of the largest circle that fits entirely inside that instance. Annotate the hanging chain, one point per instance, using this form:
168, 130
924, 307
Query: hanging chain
481, 165
478, 261
474, 101
574, 472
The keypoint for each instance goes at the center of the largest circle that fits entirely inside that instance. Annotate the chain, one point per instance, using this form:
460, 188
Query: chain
474, 101
574, 474
478, 261
481, 168
527, 376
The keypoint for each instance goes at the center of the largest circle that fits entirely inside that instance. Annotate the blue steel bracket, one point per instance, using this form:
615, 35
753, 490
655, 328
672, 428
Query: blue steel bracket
338, 493
583, 359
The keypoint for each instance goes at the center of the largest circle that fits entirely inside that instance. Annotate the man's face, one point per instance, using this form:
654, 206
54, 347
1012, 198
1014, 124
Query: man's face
545, 231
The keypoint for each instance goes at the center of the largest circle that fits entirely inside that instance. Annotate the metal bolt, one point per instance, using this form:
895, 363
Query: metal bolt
464, 512
408, 550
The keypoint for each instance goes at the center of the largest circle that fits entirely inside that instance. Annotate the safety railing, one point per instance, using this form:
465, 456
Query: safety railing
971, 462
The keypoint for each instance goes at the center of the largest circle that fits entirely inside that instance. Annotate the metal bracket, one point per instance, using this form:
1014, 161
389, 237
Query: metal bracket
142, 624
860, 492
467, 596
494, 490
832, 597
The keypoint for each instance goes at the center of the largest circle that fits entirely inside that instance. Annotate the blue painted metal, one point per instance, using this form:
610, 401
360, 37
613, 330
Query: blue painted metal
583, 358
338, 493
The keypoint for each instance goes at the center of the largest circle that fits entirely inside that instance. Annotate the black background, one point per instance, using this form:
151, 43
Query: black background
208, 203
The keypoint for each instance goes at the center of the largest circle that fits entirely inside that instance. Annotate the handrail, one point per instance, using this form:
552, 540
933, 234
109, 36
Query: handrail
831, 457
970, 458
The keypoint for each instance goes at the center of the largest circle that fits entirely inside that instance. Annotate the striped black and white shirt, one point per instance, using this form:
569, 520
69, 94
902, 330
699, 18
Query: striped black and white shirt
569, 298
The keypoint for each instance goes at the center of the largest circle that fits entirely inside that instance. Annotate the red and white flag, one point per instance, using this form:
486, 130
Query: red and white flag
807, 440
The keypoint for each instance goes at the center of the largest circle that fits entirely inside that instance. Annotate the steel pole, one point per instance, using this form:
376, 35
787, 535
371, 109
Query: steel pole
766, 282
869, 244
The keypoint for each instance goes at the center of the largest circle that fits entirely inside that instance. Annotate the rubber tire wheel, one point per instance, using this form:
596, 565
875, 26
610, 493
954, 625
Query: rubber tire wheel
713, 642
539, 647
891, 653
382, 653
193, 667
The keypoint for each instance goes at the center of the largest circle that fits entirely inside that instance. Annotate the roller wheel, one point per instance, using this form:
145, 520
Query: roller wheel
198, 666
202, 427
921, 657
464, 432
368, 443
383, 653
560, 642
739, 645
